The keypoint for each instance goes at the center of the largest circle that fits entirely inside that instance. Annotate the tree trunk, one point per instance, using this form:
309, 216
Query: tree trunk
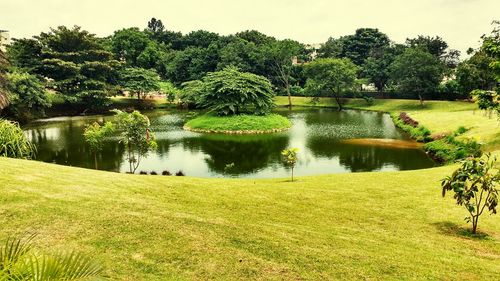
292, 174
339, 103
289, 95
421, 99
474, 224
95, 160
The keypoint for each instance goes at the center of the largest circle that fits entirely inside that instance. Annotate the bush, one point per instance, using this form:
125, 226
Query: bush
13, 142
417, 132
450, 149
27, 95
230, 91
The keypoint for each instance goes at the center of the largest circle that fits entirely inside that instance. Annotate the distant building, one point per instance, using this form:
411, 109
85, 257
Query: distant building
312, 53
4, 39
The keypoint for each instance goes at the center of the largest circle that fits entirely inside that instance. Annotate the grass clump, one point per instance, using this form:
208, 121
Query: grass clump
418, 132
238, 123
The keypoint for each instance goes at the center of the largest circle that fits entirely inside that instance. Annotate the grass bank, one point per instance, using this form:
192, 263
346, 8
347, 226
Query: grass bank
238, 124
378, 226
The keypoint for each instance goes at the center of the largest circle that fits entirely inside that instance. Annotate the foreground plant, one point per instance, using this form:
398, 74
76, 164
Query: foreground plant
136, 136
95, 135
20, 262
475, 185
13, 142
290, 157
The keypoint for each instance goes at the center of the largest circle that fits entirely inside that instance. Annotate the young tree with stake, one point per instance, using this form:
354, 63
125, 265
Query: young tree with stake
290, 157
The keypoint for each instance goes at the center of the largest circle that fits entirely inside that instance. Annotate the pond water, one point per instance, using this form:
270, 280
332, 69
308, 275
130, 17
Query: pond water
329, 142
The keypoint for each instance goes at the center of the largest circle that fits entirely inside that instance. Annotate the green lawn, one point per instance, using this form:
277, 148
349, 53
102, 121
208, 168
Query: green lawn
239, 123
377, 226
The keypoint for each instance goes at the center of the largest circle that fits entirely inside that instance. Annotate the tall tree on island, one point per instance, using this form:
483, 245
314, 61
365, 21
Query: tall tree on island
331, 76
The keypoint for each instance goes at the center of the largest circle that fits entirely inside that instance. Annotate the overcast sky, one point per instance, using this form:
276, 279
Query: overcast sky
459, 22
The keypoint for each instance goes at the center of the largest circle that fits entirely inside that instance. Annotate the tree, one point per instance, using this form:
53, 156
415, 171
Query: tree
488, 101
4, 101
255, 37
332, 76
491, 45
27, 95
95, 135
230, 92
13, 142
80, 68
20, 261
26, 54
155, 26
135, 135
359, 46
290, 157
417, 72
475, 184
129, 43
332, 48
437, 47
476, 73
281, 54
139, 81
376, 67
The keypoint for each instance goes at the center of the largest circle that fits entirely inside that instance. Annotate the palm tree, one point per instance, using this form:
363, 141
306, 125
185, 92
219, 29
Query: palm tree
18, 262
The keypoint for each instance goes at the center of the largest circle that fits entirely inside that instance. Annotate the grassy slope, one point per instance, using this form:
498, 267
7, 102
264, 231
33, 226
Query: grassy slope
239, 123
367, 225
353, 226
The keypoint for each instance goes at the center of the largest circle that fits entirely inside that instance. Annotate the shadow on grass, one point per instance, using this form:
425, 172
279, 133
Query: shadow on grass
450, 228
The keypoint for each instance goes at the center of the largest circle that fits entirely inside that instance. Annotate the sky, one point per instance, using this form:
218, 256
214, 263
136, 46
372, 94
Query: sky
458, 22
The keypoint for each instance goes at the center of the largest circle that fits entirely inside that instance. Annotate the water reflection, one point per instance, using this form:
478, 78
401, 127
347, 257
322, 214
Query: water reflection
318, 133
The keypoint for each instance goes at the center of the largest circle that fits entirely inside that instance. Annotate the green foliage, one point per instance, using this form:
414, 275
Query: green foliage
450, 90
476, 73
491, 45
418, 132
135, 135
239, 123
13, 142
191, 93
139, 81
95, 135
27, 96
20, 262
128, 44
418, 72
230, 92
79, 65
333, 76
290, 157
475, 186
365, 41
171, 92
488, 101
26, 54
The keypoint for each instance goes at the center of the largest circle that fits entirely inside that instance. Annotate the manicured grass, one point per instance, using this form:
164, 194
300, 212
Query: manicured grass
378, 226
238, 123
438, 116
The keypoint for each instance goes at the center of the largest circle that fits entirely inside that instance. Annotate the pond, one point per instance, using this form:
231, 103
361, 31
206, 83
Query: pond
329, 142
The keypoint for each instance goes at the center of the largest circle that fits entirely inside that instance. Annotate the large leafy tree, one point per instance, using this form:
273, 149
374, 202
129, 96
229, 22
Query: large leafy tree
376, 67
476, 73
129, 43
230, 92
139, 81
491, 45
280, 55
27, 95
437, 47
417, 72
331, 76
359, 46
26, 54
191, 64
79, 66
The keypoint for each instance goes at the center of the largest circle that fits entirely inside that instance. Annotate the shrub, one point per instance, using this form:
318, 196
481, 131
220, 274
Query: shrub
166, 173
13, 142
153, 173
290, 157
179, 174
450, 149
407, 119
475, 184
230, 92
